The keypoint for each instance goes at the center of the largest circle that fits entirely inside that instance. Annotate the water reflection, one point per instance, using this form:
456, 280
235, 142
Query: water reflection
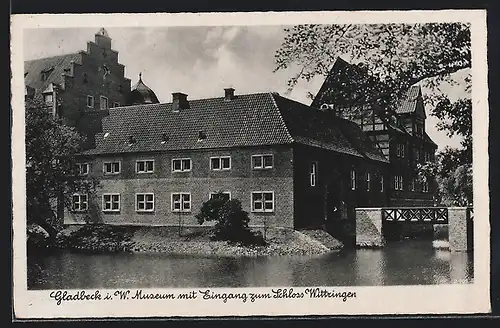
399, 263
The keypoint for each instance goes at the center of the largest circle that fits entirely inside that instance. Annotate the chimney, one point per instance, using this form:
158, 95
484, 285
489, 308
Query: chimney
179, 101
228, 93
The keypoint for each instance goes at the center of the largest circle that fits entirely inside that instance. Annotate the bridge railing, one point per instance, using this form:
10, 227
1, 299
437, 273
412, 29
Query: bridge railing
435, 215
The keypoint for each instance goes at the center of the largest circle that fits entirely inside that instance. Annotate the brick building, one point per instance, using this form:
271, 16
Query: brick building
403, 140
289, 164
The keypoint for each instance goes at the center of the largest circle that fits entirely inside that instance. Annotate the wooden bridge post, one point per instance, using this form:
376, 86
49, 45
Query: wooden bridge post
459, 229
369, 227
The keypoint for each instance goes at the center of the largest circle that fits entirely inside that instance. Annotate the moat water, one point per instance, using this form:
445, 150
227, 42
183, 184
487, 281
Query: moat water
408, 262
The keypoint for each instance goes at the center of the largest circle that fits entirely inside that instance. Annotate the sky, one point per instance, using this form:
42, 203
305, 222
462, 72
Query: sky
198, 61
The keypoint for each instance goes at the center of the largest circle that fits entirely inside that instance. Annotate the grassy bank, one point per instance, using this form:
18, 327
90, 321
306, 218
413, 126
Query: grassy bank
191, 241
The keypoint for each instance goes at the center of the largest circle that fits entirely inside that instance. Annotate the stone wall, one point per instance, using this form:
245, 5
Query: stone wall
369, 227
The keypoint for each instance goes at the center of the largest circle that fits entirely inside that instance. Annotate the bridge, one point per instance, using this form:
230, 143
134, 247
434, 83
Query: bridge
370, 223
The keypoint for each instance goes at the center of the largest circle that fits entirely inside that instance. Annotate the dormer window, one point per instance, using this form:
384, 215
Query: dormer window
201, 135
45, 73
164, 138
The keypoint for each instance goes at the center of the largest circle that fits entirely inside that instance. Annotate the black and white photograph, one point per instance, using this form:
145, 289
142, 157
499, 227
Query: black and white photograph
262, 164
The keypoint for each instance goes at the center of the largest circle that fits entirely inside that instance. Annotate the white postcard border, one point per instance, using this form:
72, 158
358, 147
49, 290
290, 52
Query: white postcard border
436, 299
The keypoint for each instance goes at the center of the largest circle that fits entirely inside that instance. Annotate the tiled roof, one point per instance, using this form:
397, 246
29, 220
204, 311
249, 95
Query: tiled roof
323, 129
409, 103
55, 65
246, 120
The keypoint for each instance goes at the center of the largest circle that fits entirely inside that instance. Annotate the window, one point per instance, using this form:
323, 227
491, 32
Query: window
417, 155
353, 180
398, 182
181, 164
368, 181
116, 104
145, 202
145, 166
262, 201
90, 101
262, 161
412, 185
103, 102
111, 167
382, 183
181, 202
220, 163
80, 203
111, 202
48, 98
312, 174
425, 186
226, 195
400, 150
83, 168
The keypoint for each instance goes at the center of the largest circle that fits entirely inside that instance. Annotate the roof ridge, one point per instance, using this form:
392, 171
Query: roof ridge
282, 120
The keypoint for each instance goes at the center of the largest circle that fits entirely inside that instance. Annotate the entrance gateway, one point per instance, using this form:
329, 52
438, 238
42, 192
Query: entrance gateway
370, 224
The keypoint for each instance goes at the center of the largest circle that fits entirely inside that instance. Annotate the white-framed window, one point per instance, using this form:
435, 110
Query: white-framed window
48, 98
398, 182
145, 166
83, 168
353, 179
144, 202
381, 183
111, 167
368, 181
226, 195
220, 163
90, 101
80, 203
103, 102
425, 186
400, 150
116, 104
260, 162
111, 202
181, 164
427, 156
181, 202
262, 201
313, 174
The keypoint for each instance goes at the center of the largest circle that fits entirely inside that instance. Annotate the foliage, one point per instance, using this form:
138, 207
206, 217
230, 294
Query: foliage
387, 59
51, 171
231, 220
452, 173
396, 56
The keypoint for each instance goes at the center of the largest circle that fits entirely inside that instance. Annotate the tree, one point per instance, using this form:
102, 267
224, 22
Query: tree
51, 172
388, 59
231, 220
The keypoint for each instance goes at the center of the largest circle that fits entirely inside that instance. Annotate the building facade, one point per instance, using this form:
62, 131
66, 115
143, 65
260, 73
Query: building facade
403, 141
289, 164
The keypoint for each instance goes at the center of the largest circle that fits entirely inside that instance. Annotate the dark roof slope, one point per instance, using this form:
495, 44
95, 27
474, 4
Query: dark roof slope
55, 66
247, 120
315, 127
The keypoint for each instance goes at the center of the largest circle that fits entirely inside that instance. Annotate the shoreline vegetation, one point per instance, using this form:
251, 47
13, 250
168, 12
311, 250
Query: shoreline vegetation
191, 241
